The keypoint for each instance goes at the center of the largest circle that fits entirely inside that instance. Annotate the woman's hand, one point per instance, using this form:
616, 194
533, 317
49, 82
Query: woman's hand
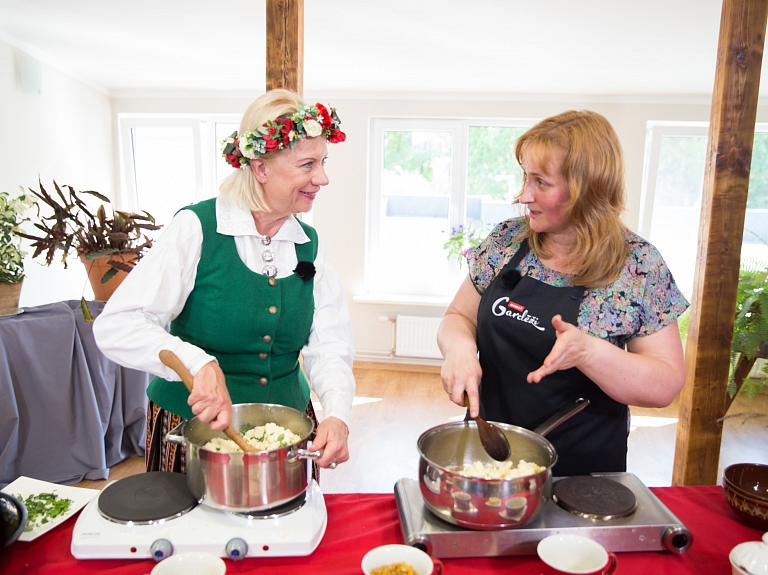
462, 372
457, 340
571, 349
331, 437
649, 373
209, 398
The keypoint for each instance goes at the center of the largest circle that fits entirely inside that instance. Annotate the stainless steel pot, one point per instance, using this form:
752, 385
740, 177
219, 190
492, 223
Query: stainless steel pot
242, 482
487, 504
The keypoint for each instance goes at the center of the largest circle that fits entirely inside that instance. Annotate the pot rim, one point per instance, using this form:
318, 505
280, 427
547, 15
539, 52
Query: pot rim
197, 421
22, 509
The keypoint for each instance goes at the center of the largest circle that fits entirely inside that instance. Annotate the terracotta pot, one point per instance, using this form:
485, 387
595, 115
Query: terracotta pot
9, 298
96, 269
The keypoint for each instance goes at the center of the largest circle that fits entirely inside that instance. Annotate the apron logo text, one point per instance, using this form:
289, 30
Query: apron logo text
499, 309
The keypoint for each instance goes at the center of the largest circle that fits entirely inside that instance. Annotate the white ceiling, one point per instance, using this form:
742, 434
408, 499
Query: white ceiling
502, 47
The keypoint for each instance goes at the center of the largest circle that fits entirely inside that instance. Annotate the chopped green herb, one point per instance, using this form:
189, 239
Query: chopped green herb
43, 507
281, 437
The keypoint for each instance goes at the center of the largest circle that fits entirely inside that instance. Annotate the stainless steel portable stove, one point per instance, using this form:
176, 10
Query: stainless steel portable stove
649, 526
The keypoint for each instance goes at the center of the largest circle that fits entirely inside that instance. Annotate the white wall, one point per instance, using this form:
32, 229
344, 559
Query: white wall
63, 133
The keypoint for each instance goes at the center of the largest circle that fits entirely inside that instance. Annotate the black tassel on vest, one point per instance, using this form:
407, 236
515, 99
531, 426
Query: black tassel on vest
509, 279
305, 270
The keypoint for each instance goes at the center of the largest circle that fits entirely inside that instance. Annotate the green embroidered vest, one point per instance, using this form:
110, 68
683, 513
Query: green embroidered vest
253, 328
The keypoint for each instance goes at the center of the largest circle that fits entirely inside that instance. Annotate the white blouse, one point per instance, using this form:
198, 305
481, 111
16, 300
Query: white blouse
132, 328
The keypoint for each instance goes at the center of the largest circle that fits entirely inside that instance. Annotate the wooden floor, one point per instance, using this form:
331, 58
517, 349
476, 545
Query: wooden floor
394, 405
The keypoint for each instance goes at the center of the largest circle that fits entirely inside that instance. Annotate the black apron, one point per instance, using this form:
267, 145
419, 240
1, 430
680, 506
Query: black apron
514, 335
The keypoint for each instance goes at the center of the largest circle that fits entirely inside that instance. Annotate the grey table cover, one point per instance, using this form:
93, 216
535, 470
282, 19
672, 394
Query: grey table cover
67, 413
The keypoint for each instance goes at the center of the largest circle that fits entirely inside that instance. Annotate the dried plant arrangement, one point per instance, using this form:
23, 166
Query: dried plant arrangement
73, 227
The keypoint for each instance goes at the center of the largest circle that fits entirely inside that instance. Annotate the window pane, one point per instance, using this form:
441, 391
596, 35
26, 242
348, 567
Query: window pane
408, 257
677, 205
493, 175
754, 249
164, 183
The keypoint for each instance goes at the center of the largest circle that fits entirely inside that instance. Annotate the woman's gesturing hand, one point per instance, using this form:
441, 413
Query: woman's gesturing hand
209, 399
331, 437
570, 350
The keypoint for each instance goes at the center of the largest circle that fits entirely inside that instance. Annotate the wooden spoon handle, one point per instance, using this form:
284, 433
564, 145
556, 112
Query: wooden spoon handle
172, 360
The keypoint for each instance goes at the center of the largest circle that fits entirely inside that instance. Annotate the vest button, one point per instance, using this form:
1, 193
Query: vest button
266, 338
273, 309
272, 281
262, 355
263, 381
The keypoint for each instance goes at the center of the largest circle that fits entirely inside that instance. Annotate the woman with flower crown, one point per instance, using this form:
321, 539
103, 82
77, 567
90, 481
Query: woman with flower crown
245, 286
566, 302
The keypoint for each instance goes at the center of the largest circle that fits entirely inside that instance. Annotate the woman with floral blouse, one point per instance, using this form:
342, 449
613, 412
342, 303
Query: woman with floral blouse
566, 302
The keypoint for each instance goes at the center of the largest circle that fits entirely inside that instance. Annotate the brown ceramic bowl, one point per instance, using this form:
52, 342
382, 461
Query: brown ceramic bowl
745, 486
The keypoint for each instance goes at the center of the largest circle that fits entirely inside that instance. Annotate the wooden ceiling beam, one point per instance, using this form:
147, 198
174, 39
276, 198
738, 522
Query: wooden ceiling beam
285, 45
723, 207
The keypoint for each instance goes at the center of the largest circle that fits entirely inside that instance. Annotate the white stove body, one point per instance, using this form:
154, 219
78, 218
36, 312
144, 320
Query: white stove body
203, 529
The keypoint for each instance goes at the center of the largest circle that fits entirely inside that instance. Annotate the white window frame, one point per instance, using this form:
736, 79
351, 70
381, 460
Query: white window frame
655, 132
459, 128
206, 150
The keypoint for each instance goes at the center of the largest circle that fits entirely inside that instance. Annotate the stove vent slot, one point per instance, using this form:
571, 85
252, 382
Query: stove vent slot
417, 337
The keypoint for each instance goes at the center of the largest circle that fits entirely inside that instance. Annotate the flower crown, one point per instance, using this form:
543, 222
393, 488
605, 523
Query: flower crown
281, 133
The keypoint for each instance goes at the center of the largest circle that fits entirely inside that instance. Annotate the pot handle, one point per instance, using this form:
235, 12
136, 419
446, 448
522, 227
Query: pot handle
307, 454
176, 435
561, 416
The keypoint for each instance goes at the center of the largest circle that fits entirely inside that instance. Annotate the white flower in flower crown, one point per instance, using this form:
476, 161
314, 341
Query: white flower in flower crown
313, 128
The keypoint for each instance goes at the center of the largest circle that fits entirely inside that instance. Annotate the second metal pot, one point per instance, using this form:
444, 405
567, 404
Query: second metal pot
242, 482
487, 504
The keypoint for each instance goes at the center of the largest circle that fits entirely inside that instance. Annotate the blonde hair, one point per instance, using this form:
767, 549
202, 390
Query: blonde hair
242, 186
593, 168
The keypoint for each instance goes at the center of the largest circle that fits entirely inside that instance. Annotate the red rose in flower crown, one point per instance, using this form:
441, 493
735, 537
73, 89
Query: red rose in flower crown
327, 120
336, 136
283, 132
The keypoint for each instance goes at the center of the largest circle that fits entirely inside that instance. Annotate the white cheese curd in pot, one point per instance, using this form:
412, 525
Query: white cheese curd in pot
502, 470
264, 438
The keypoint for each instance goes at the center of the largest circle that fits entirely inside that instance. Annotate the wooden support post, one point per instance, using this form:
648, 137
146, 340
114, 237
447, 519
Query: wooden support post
723, 206
285, 45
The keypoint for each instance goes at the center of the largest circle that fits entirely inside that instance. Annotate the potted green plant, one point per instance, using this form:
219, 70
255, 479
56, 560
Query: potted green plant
750, 333
11, 256
109, 243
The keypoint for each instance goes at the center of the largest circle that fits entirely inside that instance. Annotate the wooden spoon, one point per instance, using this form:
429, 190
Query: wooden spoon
172, 360
492, 438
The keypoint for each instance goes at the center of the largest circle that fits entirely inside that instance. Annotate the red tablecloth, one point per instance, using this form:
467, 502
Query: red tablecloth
357, 523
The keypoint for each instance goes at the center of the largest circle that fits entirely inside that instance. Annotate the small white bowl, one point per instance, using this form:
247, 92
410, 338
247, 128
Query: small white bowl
191, 563
567, 553
387, 554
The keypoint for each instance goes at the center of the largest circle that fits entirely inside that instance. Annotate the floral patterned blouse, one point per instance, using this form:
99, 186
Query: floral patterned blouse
643, 300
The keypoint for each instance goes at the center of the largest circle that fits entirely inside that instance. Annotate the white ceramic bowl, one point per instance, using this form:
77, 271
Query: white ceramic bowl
388, 554
191, 563
572, 554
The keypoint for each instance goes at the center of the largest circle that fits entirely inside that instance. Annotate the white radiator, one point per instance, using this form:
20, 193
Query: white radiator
417, 337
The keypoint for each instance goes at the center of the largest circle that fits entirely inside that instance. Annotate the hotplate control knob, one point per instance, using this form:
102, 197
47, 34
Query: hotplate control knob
161, 549
236, 548
677, 539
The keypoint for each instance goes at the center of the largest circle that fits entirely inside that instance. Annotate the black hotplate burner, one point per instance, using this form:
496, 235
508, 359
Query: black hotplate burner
594, 497
146, 498
280, 511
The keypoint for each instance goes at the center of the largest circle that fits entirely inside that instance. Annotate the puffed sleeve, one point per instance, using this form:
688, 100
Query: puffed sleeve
131, 330
330, 351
